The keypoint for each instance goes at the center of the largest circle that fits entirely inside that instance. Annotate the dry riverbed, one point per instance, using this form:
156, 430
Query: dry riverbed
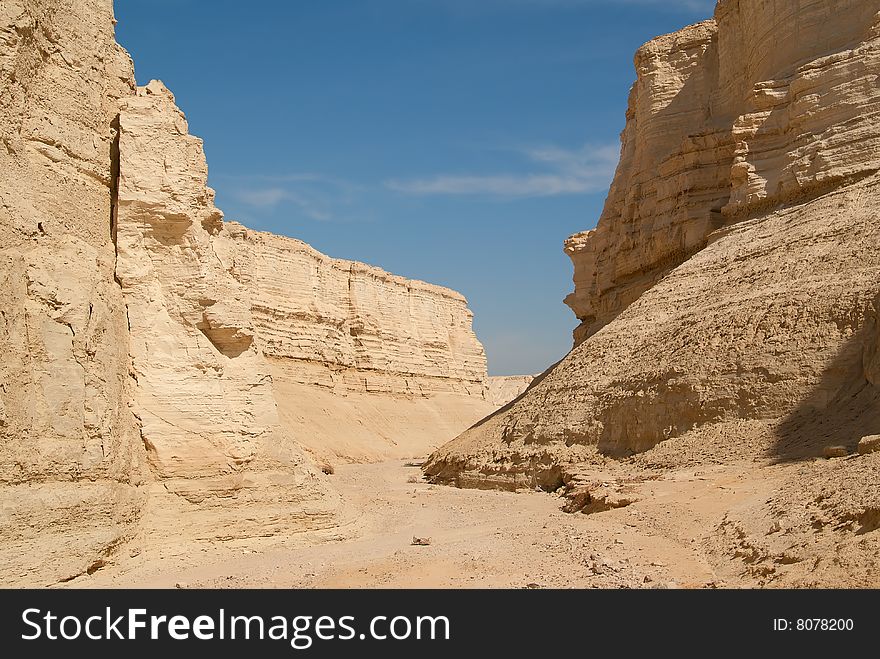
478, 539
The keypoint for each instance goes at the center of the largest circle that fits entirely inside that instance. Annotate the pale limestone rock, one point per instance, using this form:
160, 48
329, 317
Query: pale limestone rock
351, 325
89, 164
835, 452
733, 273
203, 394
505, 388
366, 365
727, 121
70, 456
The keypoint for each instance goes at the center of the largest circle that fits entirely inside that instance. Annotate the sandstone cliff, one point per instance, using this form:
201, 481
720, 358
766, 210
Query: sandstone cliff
732, 272
203, 391
365, 365
70, 455
162, 372
726, 120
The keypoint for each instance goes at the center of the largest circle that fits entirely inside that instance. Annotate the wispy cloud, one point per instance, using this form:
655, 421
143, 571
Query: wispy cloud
262, 197
670, 5
580, 171
705, 7
314, 196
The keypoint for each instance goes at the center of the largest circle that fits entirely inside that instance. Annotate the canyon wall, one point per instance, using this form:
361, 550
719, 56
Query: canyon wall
70, 455
220, 461
768, 102
366, 365
162, 373
732, 273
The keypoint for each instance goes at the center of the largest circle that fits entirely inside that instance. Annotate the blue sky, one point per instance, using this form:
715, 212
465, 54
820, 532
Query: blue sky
455, 141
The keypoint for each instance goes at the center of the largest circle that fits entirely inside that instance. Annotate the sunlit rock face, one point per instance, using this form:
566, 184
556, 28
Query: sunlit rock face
70, 454
732, 273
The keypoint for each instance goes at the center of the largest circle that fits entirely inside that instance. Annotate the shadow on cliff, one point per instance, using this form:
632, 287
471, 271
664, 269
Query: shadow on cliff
841, 409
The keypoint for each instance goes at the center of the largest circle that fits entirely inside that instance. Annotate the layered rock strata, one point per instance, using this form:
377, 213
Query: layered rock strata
727, 120
160, 376
366, 365
732, 273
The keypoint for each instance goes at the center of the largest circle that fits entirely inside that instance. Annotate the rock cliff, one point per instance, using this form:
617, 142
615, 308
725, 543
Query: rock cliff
365, 365
727, 120
70, 455
163, 373
733, 270
202, 390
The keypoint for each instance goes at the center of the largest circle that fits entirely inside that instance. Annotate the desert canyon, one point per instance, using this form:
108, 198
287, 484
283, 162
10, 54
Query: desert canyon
187, 401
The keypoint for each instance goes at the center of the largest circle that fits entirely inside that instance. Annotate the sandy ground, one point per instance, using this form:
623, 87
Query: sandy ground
667, 538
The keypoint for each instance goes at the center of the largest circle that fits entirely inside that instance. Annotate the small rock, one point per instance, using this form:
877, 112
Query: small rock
776, 527
421, 541
532, 586
869, 444
647, 579
835, 452
181, 584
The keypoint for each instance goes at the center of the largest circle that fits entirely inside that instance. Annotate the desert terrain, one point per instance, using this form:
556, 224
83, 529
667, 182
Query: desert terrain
479, 539
188, 402
696, 526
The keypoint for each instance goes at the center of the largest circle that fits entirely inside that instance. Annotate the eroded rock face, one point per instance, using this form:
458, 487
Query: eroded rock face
365, 365
506, 388
727, 121
732, 274
140, 338
203, 394
350, 325
70, 455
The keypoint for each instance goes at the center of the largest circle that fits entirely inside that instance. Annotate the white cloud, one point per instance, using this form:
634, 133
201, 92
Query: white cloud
706, 7
580, 171
262, 197
315, 196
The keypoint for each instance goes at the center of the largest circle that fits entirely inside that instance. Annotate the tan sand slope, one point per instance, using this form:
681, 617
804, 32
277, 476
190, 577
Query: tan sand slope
505, 388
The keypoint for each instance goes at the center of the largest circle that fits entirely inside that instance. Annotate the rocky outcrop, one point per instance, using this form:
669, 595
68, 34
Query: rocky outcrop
247, 347
506, 388
732, 273
365, 364
203, 394
670, 185
70, 455
727, 121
